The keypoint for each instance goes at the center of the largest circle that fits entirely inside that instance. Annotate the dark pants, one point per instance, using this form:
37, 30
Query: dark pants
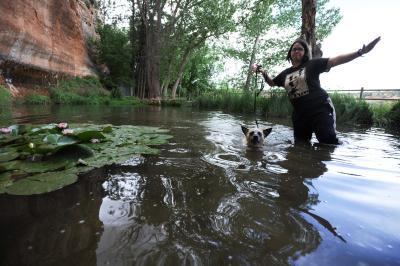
321, 121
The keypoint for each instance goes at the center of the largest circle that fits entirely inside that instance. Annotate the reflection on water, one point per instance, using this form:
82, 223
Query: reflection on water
208, 199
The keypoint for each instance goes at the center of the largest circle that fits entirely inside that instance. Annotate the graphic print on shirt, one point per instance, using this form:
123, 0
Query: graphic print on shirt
296, 85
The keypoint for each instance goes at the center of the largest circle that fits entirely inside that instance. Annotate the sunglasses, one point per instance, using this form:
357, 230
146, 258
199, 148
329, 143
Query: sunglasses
295, 49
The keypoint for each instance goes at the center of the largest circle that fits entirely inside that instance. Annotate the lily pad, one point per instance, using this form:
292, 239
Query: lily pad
40, 157
41, 183
8, 154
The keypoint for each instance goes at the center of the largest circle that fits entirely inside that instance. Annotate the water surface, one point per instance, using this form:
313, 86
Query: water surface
208, 200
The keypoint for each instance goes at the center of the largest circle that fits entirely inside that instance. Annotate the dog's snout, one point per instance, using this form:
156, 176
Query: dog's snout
255, 138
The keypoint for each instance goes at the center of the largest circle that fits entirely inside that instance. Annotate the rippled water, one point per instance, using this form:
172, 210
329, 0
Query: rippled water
209, 200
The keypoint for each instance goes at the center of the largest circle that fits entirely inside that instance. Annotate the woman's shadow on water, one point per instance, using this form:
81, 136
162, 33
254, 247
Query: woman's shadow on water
303, 163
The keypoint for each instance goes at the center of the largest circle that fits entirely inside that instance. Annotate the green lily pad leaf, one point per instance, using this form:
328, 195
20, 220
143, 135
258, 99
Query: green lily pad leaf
46, 149
52, 138
5, 181
60, 140
41, 183
43, 166
8, 154
51, 128
156, 139
8, 166
91, 134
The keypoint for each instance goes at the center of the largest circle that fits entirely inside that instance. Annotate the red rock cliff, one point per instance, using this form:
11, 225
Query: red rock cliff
41, 40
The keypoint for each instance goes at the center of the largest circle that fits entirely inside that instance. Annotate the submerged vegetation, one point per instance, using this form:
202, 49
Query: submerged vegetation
44, 158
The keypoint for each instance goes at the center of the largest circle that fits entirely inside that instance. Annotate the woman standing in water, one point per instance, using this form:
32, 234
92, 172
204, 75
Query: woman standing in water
313, 110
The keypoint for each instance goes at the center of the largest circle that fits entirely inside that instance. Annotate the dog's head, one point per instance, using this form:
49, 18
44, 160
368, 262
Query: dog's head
255, 136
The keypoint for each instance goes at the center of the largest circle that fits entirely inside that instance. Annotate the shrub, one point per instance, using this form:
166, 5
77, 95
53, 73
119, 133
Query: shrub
86, 90
394, 116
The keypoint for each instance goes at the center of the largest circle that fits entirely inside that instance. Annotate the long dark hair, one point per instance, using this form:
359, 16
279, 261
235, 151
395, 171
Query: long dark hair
306, 56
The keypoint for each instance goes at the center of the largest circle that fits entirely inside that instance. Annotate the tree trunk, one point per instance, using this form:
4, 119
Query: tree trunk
309, 9
184, 61
252, 59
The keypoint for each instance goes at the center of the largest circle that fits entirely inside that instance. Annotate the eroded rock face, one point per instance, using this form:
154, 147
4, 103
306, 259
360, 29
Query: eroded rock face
41, 40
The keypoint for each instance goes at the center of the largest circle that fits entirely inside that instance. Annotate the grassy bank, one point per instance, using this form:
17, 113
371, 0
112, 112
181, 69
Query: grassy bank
80, 91
275, 103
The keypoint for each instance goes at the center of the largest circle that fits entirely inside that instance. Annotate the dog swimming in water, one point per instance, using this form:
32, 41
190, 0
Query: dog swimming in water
254, 137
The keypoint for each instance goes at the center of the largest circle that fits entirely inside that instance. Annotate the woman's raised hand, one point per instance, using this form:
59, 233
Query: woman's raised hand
366, 48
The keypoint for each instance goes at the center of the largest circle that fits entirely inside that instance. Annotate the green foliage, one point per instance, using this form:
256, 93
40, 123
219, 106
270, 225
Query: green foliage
5, 96
380, 113
41, 159
116, 52
394, 116
351, 110
267, 28
276, 104
36, 100
86, 90
198, 73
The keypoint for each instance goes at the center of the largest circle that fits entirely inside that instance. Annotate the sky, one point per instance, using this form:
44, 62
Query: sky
363, 21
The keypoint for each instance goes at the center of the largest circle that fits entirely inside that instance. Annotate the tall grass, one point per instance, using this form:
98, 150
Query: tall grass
380, 113
228, 100
351, 110
275, 103
5, 96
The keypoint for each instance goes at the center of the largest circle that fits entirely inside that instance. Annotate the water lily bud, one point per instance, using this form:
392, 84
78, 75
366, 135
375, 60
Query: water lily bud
5, 130
62, 125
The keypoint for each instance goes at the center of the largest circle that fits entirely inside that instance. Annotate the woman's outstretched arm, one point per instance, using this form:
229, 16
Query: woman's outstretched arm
344, 58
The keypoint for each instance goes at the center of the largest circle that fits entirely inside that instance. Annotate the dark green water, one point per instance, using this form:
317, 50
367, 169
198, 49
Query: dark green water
207, 200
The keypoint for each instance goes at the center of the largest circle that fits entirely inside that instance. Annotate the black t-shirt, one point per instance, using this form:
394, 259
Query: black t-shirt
302, 84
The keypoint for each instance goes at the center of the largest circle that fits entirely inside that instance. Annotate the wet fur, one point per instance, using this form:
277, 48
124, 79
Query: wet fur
254, 137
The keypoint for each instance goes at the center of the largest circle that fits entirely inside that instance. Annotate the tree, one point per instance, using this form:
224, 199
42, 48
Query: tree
267, 28
167, 34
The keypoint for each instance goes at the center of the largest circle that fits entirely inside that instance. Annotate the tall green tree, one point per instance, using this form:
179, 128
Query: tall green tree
171, 31
266, 29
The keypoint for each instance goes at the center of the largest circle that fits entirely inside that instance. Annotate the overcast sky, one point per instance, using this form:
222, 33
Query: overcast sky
362, 21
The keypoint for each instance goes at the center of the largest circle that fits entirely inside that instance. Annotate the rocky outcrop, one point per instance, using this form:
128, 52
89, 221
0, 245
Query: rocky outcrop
43, 40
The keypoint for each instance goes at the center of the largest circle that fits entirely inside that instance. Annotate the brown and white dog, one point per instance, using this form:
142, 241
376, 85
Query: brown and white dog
254, 137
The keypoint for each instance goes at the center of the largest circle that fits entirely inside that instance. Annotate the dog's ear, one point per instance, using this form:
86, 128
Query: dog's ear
266, 131
245, 130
